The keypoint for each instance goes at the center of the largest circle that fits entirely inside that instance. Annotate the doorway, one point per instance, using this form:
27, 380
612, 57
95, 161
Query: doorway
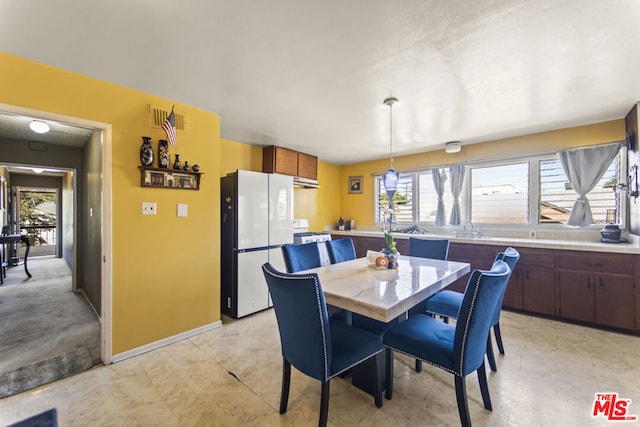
93, 237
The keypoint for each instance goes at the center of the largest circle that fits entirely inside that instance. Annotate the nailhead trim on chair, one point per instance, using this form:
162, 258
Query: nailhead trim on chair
324, 343
466, 326
464, 339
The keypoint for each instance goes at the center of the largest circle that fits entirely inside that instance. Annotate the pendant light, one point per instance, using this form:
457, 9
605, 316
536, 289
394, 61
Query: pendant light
390, 178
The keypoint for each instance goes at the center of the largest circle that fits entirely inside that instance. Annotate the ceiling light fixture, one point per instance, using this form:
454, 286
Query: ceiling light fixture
39, 126
452, 147
390, 178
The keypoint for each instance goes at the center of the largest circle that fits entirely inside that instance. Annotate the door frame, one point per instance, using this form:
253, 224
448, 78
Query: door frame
107, 266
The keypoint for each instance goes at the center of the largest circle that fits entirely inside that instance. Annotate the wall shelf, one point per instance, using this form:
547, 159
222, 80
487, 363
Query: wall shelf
169, 178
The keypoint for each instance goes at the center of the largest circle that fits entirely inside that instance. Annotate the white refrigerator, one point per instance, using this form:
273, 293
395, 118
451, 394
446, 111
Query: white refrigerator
256, 220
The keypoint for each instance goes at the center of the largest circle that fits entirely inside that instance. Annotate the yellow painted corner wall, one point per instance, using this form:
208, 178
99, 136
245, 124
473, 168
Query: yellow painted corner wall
166, 275
361, 206
321, 206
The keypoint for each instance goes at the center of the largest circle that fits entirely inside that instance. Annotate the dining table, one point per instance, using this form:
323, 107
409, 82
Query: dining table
384, 294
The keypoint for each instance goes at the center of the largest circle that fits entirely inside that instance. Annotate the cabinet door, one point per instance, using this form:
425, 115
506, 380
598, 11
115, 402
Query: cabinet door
513, 295
307, 166
539, 290
577, 295
614, 300
286, 161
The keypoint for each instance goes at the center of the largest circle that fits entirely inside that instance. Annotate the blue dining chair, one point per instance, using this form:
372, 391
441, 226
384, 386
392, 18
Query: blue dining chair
302, 256
447, 304
317, 346
426, 248
341, 250
429, 248
458, 349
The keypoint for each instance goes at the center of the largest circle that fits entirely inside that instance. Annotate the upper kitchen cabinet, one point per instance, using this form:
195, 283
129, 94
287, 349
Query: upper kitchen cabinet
289, 162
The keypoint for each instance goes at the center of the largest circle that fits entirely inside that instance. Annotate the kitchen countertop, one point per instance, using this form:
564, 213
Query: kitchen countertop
575, 245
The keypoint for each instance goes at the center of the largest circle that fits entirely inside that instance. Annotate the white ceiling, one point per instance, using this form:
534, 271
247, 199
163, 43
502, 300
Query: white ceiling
312, 75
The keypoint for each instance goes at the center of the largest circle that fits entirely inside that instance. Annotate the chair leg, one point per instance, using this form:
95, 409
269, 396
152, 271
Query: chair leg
377, 380
490, 355
496, 332
445, 319
461, 397
324, 404
484, 388
388, 391
418, 365
286, 380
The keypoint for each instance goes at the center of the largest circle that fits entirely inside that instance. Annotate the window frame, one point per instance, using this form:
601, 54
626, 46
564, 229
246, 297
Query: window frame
534, 191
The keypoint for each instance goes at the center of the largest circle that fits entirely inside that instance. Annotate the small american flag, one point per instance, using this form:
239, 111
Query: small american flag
169, 127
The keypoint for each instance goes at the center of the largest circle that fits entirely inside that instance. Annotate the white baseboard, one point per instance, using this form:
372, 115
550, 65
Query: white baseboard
164, 342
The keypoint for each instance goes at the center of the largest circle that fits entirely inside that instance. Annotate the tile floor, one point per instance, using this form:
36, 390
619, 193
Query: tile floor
231, 376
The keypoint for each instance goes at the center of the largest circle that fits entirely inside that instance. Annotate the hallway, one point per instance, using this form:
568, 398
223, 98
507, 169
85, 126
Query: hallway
46, 331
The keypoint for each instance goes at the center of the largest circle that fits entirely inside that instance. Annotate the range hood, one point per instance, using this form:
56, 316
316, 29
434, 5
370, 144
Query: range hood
305, 182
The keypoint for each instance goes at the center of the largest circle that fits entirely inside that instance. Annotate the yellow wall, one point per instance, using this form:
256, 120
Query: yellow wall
360, 206
166, 276
320, 206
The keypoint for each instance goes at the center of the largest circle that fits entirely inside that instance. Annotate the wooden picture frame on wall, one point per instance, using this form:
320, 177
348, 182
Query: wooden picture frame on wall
355, 184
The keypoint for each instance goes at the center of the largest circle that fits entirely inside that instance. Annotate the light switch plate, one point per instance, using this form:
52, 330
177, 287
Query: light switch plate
148, 208
182, 209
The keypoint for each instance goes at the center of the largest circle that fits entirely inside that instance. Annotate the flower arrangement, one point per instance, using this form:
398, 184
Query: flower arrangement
389, 242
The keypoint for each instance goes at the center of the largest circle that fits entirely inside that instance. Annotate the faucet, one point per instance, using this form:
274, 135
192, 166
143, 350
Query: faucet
464, 227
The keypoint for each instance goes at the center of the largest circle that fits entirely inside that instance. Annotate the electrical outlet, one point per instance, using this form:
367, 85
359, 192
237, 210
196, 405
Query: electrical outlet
182, 209
148, 208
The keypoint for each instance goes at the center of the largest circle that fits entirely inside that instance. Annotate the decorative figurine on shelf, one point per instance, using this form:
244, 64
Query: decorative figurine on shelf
186, 166
163, 154
176, 163
196, 168
146, 152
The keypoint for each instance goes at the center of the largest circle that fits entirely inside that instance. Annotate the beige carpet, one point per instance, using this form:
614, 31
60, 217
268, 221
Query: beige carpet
46, 331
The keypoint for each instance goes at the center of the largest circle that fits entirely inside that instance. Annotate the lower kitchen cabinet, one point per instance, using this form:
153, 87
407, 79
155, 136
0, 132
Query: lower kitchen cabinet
596, 288
538, 274
577, 296
614, 301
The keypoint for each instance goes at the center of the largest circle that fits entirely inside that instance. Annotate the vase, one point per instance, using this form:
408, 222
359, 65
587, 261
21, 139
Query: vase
163, 154
176, 163
391, 256
146, 152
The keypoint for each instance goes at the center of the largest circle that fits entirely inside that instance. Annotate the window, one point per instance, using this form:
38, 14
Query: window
500, 194
557, 196
428, 199
402, 200
527, 191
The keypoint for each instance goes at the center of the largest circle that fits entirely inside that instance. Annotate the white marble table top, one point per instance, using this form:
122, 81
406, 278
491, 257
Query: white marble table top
386, 294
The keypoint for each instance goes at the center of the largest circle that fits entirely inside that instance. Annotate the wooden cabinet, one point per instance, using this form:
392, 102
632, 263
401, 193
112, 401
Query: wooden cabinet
307, 166
597, 288
289, 162
537, 277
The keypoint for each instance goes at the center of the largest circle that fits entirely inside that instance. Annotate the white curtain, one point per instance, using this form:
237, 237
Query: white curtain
584, 168
457, 178
439, 178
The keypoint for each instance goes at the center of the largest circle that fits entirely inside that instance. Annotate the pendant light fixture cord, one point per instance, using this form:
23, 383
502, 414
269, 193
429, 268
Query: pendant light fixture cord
390, 101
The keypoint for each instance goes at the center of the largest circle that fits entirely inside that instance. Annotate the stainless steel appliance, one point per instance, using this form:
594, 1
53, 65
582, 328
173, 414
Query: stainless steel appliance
301, 234
256, 220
